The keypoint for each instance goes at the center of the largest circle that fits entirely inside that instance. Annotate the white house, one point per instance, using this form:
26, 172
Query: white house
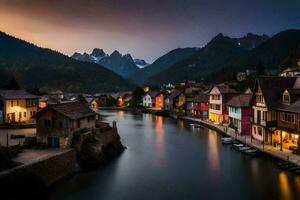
147, 100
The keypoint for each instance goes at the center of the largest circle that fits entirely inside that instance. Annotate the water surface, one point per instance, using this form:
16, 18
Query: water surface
168, 159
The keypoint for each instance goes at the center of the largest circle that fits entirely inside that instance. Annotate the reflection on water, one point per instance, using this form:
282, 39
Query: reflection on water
180, 123
159, 131
284, 186
168, 159
120, 115
213, 153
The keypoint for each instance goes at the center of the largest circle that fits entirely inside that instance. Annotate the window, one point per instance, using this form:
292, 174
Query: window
287, 117
12, 103
260, 130
215, 106
60, 124
24, 114
47, 123
20, 115
286, 99
215, 97
259, 98
17, 102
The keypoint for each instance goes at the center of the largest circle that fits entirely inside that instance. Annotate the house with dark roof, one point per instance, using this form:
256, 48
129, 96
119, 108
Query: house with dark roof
197, 106
240, 113
57, 123
17, 107
288, 120
218, 97
267, 97
174, 100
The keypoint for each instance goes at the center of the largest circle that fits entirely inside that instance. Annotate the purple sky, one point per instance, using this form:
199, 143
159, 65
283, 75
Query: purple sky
145, 28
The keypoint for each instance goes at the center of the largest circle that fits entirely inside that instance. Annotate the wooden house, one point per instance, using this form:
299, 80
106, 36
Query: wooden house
57, 123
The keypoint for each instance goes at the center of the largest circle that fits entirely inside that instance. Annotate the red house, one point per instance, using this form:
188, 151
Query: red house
198, 106
240, 113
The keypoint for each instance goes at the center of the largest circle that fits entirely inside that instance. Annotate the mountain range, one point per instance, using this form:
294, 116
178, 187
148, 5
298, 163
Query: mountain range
223, 56
123, 65
162, 63
217, 61
33, 67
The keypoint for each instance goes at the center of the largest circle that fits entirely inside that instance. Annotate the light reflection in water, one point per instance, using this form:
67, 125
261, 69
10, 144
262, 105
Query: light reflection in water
180, 123
284, 186
160, 134
120, 115
213, 153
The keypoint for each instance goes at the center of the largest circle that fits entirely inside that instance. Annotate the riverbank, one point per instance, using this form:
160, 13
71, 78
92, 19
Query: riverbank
40, 169
284, 155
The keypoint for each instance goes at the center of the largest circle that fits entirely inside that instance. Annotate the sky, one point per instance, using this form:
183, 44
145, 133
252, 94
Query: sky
146, 29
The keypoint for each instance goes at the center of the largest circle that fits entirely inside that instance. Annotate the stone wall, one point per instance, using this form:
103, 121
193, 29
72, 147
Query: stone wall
32, 179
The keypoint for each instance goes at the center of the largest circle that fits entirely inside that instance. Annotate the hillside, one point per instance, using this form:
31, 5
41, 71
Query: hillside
280, 49
162, 63
49, 70
222, 57
209, 59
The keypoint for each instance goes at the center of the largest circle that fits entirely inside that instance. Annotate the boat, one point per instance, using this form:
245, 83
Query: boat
226, 139
251, 151
244, 148
198, 126
238, 145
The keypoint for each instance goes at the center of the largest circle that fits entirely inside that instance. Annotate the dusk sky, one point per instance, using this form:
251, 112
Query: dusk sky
144, 28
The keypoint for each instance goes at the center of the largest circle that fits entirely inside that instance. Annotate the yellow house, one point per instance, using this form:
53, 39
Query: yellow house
17, 106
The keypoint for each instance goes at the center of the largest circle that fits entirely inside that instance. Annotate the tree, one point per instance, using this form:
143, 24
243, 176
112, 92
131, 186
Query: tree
12, 84
137, 97
260, 69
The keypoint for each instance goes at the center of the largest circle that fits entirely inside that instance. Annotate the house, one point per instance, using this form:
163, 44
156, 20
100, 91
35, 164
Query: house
147, 100
240, 76
286, 136
267, 96
57, 123
291, 71
17, 106
101, 99
154, 99
170, 104
218, 97
92, 102
197, 106
240, 113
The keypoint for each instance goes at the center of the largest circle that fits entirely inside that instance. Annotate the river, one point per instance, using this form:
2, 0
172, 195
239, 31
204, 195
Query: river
168, 159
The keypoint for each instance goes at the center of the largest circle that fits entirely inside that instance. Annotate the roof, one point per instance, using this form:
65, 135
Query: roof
17, 94
294, 91
153, 93
273, 87
242, 100
199, 98
174, 94
223, 88
294, 108
72, 110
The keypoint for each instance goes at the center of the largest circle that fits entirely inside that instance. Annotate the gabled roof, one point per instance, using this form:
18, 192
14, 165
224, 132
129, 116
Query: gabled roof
225, 89
73, 110
174, 95
17, 94
272, 88
242, 100
153, 93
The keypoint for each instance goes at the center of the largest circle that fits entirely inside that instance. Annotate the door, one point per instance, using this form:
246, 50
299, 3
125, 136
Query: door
53, 142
